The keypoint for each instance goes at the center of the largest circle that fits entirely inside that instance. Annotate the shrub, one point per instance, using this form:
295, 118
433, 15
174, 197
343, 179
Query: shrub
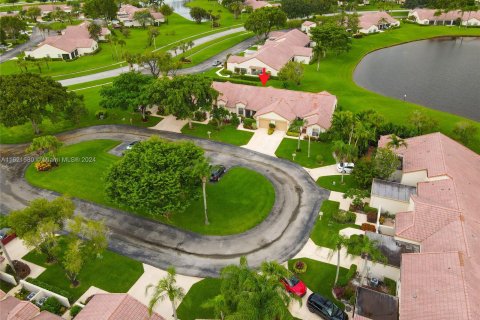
368, 227
271, 126
101, 114
344, 216
319, 159
75, 310
51, 288
391, 286
343, 281
300, 267
292, 134
234, 120
372, 217
248, 123
52, 305
368, 209
294, 23
271, 131
200, 116
22, 294
43, 165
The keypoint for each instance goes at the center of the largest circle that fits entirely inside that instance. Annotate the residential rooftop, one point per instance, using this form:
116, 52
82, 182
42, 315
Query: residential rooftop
392, 190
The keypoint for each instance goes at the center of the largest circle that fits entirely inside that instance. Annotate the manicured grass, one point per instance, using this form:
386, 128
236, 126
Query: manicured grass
5, 286
226, 17
327, 183
24, 133
112, 273
325, 228
336, 77
207, 50
322, 149
191, 306
233, 205
319, 277
227, 133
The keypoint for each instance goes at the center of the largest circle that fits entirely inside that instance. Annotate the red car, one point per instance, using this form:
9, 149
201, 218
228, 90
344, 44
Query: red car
294, 285
6, 236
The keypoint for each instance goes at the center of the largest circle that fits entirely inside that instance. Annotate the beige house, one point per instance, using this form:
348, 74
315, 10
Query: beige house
307, 25
435, 17
280, 107
278, 50
126, 15
373, 22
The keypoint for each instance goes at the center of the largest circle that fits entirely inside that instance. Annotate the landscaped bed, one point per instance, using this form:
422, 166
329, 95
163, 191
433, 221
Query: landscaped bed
112, 272
227, 133
242, 199
320, 152
326, 228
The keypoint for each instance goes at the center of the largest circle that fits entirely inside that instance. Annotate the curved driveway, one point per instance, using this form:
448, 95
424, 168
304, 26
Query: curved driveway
279, 237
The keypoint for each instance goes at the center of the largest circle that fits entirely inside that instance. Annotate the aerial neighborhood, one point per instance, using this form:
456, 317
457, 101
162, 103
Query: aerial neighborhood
240, 159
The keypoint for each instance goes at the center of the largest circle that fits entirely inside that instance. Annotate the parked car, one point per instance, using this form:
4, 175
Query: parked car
31, 295
217, 172
131, 145
325, 308
345, 167
216, 63
6, 235
294, 285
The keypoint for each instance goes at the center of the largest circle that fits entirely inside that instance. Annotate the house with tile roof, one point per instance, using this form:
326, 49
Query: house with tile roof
280, 48
257, 4
126, 15
307, 25
49, 8
113, 306
12, 308
74, 41
372, 22
278, 106
435, 17
442, 220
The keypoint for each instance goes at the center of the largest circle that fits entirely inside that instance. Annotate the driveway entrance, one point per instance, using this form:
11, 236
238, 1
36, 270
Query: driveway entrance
262, 142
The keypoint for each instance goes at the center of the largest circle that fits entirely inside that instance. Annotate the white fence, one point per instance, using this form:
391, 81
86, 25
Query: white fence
8, 278
41, 292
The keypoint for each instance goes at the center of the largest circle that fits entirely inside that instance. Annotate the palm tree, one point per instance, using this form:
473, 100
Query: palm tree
218, 304
122, 44
166, 287
320, 52
396, 142
340, 242
344, 152
368, 251
203, 170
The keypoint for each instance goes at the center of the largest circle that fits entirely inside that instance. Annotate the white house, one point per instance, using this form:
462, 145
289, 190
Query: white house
126, 15
278, 106
73, 42
373, 22
435, 17
278, 50
307, 25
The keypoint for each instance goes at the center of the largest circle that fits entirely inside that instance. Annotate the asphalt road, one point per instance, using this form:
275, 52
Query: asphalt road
36, 37
279, 237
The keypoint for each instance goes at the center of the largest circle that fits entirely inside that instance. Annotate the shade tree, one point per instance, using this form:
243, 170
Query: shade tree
264, 20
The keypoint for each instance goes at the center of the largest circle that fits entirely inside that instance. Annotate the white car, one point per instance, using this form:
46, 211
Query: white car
345, 167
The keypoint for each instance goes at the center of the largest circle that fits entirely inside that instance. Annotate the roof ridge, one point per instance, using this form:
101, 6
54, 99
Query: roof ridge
465, 291
125, 295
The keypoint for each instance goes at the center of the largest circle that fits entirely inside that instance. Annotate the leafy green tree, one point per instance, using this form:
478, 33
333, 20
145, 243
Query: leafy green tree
183, 95
156, 176
219, 115
320, 52
352, 22
386, 162
33, 12
166, 288
143, 17
291, 72
465, 131
198, 14
367, 249
157, 62
364, 172
93, 233
297, 8
236, 7
166, 10
344, 152
38, 223
263, 20
73, 261
332, 37
106, 9
422, 122
357, 195
153, 33
41, 98
94, 30
47, 145
12, 26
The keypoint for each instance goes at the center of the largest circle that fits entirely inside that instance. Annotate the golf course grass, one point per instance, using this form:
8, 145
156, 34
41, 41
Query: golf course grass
241, 200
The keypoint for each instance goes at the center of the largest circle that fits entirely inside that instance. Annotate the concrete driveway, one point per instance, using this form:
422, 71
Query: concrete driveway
279, 237
262, 142
170, 123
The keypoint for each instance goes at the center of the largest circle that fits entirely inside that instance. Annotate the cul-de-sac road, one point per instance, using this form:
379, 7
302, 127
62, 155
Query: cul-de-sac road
279, 237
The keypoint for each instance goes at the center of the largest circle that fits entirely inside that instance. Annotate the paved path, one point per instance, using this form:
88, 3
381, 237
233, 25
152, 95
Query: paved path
262, 142
170, 123
323, 171
118, 71
279, 237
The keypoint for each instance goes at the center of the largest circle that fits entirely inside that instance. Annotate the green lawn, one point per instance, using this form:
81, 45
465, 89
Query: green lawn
327, 183
23, 133
319, 277
227, 133
325, 228
5, 286
336, 77
322, 149
112, 273
226, 17
233, 205
191, 306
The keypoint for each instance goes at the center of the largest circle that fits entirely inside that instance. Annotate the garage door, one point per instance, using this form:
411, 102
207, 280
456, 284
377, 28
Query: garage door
279, 125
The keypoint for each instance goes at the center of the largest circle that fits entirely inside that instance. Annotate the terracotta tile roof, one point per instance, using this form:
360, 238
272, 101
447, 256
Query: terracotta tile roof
129, 11
2, 294
279, 49
369, 19
430, 14
73, 37
446, 217
257, 4
51, 7
15, 309
45, 315
318, 108
113, 306
432, 287
308, 23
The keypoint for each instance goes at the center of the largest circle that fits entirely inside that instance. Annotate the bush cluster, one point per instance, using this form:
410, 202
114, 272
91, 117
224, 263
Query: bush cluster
300, 267
368, 227
75, 310
342, 216
52, 305
249, 123
200, 116
43, 165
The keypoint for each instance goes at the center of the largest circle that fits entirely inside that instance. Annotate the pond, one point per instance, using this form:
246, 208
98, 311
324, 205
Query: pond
179, 7
441, 73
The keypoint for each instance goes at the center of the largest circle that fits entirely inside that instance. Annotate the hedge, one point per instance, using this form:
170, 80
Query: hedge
51, 288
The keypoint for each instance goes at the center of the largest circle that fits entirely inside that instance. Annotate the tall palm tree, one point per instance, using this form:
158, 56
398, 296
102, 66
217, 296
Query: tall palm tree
340, 242
396, 142
344, 152
320, 51
166, 287
203, 170
369, 251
